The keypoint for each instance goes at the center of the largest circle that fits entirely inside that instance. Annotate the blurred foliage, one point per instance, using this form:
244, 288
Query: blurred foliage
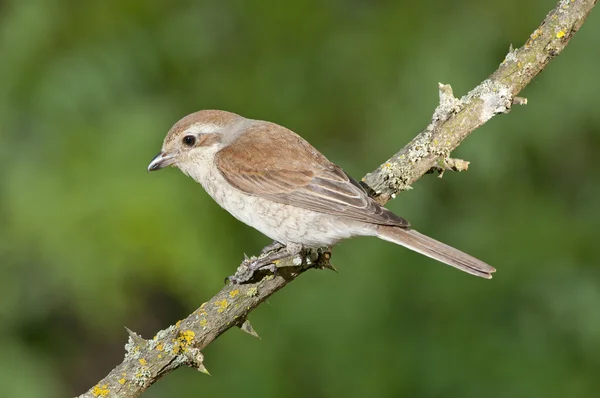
90, 242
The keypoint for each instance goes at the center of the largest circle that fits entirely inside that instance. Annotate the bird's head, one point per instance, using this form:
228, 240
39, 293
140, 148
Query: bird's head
194, 137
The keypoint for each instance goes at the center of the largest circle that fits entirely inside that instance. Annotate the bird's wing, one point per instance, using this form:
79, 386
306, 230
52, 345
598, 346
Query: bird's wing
274, 163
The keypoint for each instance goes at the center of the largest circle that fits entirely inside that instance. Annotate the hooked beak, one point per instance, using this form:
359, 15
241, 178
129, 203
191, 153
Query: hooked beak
160, 161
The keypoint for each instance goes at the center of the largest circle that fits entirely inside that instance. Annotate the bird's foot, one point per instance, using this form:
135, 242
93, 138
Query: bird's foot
266, 261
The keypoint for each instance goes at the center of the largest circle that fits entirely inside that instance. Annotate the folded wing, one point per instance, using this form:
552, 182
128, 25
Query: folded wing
273, 162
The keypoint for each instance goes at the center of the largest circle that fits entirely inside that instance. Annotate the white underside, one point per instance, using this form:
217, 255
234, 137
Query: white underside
283, 223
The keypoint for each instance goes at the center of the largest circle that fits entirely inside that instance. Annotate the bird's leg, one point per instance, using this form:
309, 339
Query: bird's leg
275, 246
266, 260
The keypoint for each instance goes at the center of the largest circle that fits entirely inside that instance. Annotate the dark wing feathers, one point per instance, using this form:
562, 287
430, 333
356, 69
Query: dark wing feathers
273, 162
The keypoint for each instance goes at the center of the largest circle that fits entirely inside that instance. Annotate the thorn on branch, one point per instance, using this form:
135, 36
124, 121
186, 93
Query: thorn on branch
449, 164
196, 360
324, 260
448, 104
511, 56
246, 327
447, 98
135, 339
519, 101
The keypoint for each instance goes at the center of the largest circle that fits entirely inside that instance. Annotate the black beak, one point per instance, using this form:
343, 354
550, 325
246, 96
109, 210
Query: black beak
160, 161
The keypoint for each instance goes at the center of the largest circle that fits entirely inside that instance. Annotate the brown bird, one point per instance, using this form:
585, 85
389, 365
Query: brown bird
273, 180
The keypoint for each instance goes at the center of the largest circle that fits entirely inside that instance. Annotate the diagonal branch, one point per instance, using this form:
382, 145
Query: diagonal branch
147, 361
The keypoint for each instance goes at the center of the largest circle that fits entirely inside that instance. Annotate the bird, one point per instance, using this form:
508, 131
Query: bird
273, 180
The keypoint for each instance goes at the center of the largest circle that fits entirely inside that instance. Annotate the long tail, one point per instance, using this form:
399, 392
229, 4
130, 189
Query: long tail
437, 250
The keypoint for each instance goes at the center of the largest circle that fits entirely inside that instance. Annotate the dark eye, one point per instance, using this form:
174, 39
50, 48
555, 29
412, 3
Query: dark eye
189, 140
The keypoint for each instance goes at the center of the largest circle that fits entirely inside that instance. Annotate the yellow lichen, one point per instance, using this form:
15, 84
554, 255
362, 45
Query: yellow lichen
184, 339
252, 292
222, 305
159, 356
202, 309
560, 34
122, 381
143, 362
203, 322
177, 324
160, 346
99, 391
234, 293
187, 336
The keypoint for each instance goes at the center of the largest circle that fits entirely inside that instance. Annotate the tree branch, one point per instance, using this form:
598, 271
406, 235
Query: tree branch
147, 361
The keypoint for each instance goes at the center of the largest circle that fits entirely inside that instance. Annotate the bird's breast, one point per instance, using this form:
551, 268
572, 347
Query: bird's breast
283, 223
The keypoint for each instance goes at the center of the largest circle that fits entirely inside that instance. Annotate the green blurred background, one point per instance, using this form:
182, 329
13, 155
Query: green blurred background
90, 242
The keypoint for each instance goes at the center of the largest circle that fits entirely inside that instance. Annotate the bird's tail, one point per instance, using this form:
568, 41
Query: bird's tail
437, 250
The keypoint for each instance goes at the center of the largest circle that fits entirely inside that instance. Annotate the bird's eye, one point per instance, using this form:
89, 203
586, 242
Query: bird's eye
189, 140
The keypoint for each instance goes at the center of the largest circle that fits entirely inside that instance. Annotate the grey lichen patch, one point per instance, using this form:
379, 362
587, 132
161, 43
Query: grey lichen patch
163, 334
392, 176
419, 150
132, 349
448, 106
511, 56
135, 344
563, 6
163, 342
142, 376
428, 143
497, 98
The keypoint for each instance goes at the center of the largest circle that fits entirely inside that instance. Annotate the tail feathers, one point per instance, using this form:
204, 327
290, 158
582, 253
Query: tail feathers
437, 250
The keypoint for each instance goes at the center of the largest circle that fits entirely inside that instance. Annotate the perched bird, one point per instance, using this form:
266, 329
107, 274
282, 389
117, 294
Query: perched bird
273, 180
